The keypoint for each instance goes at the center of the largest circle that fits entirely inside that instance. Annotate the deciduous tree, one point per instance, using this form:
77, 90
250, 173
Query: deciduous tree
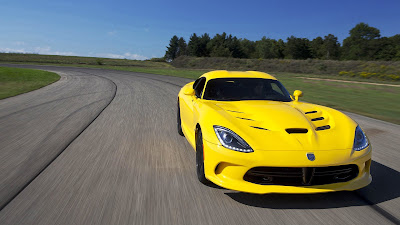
360, 42
297, 48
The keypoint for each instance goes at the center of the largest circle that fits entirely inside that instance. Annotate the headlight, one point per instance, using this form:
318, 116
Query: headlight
360, 140
231, 140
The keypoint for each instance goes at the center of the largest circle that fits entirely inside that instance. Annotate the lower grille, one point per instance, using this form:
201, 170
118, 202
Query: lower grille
301, 176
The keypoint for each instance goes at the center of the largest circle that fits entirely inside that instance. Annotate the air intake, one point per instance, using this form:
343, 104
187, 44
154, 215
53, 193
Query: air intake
296, 130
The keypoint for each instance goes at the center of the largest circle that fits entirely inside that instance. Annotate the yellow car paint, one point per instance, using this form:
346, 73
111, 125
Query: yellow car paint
262, 124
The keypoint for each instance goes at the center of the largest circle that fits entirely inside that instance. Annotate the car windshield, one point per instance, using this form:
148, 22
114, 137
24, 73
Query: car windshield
237, 89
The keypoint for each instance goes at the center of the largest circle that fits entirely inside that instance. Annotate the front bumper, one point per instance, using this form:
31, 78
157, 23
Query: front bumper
227, 168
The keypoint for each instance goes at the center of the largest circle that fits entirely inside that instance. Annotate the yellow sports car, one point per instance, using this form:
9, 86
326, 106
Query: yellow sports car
251, 135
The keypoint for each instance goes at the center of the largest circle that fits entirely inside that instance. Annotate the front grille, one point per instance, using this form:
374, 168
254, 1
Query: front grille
301, 176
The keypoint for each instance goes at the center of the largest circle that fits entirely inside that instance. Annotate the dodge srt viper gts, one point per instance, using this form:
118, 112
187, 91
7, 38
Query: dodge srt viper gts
251, 135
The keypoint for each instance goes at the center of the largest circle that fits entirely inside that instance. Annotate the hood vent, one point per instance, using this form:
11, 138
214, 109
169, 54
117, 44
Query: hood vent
317, 119
296, 130
310, 112
323, 127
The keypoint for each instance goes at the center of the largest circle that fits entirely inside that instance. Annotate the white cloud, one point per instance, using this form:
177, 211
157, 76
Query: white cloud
48, 51
11, 50
127, 55
36, 50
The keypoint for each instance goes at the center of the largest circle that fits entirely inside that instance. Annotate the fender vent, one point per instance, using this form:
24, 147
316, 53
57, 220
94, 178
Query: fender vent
259, 128
244, 118
310, 112
296, 130
326, 127
316, 119
234, 111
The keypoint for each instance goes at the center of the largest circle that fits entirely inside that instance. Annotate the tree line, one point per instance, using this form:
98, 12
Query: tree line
364, 43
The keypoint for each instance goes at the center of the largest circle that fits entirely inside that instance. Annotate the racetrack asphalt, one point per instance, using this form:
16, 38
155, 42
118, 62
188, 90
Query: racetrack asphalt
101, 147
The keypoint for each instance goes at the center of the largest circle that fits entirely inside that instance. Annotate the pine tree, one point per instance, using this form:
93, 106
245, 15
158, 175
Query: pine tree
193, 45
172, 49
182, 47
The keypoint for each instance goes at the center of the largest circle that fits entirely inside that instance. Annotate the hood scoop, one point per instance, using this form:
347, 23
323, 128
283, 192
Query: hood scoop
296, 131
319, 119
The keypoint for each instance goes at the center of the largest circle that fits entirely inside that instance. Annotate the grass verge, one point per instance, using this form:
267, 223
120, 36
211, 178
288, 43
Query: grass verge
15, 81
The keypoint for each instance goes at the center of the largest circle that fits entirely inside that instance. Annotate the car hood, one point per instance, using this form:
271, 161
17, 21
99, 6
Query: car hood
291, 126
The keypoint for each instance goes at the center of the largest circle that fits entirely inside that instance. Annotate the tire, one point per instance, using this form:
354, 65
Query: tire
200, 159
179, 125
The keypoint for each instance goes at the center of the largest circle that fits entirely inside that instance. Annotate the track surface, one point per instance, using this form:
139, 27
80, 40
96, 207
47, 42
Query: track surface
101, 147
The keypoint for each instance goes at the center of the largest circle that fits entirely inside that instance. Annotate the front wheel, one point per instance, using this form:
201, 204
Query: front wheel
200, 158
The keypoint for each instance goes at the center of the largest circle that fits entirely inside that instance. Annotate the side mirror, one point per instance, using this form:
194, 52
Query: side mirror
297, 94
189, 91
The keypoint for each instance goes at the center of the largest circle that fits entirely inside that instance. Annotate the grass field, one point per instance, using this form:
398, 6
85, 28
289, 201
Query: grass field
14, 81
379, 102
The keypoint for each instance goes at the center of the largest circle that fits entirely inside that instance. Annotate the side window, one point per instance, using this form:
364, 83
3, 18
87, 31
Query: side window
198, 86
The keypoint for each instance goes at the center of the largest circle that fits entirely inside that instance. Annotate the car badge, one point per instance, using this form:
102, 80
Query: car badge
311, 156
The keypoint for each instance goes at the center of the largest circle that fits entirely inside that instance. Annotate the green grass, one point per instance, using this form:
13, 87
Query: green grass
15, 81
379, 102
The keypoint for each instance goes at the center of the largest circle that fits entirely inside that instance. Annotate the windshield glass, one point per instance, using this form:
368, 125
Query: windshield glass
236, 89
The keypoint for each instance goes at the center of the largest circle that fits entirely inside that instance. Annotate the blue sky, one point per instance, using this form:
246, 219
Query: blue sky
142, 29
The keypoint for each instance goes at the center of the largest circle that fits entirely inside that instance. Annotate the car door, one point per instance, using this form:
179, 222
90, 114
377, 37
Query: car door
186, 106
197, 101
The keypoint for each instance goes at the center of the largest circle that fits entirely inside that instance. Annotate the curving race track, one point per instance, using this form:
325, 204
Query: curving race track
101, 147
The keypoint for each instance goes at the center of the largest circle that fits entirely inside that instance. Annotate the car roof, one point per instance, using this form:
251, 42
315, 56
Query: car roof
236, 74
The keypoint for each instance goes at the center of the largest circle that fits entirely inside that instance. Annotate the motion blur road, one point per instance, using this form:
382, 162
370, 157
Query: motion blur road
101, 147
